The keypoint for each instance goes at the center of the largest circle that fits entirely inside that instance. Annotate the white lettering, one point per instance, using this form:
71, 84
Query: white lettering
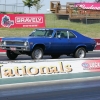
18, 20
90, 7
28, 20
95, 65
97, 43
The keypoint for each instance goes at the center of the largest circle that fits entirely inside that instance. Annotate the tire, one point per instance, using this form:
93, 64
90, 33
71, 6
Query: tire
37, 53
80, 53
11, 55
55, 56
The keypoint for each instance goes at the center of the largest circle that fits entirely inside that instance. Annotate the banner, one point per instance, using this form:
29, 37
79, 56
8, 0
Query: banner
97, 44
11, 70
93, 6
22, 20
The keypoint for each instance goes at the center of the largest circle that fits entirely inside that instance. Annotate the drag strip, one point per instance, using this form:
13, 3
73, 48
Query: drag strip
74, 89
94, 54
70, 86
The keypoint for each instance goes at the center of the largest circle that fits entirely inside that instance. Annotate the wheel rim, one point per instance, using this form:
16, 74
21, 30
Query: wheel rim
38, 54
81, 53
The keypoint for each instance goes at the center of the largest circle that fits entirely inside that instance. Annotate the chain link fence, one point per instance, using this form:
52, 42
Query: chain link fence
13, 8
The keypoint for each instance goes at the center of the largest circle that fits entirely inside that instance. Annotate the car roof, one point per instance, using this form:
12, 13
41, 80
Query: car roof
55, 28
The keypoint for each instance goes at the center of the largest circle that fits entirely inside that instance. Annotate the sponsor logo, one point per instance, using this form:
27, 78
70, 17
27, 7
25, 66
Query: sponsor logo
18, 71
88, 6
6, 22
28, 20
85, 65
91, 65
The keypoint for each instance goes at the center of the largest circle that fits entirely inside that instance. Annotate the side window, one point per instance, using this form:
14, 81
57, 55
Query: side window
71, 35
57, 34
61, 34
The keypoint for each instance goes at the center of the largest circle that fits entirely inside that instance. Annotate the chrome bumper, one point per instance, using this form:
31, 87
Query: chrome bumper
15, 48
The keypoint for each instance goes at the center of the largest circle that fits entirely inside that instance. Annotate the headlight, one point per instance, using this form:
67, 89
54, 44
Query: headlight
4, 43
25, 43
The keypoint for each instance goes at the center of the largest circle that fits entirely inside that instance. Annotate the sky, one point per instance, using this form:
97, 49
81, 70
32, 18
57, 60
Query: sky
44, 9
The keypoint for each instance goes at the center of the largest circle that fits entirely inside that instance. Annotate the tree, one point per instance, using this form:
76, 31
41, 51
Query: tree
37, 6
30, 3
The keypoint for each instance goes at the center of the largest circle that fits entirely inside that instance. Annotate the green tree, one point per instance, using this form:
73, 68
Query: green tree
37, 6
30, 3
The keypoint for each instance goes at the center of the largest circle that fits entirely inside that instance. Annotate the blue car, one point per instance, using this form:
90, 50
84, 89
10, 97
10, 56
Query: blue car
49, 41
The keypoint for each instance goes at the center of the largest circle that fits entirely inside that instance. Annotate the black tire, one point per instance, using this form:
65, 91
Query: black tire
11, 55
39, 55
55, 56
80, 53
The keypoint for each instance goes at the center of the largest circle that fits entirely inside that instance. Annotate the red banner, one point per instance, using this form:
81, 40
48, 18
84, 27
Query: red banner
97, 44
22, 20
91, 65
94, 6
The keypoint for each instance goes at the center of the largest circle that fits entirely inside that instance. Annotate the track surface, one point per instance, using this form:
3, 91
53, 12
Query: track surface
83, 90
94, 54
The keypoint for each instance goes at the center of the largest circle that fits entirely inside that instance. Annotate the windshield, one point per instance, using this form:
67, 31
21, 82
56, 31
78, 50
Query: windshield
42, 33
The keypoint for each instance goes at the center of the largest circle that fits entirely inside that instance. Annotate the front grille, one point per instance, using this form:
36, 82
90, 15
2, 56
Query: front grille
14, 43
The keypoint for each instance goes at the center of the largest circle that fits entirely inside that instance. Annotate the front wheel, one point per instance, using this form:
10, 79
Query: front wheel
80, 53
11, 55
37, 53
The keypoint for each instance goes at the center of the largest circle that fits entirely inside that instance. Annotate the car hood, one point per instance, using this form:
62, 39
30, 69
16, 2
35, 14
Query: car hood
19, 38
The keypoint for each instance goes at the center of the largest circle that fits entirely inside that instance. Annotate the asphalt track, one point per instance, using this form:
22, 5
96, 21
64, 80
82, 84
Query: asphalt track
94, 54
86, 89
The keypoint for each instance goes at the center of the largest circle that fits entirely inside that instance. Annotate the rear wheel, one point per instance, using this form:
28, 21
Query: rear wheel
11, 55
37, 53
55, 56
80, 53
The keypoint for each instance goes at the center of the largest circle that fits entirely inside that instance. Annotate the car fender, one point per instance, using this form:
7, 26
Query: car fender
81, 45
37, 44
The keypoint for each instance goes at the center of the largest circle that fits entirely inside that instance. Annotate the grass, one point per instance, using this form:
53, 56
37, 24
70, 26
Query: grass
91, 30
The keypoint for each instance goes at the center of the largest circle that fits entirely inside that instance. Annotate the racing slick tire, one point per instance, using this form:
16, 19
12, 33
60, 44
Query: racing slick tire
11, 55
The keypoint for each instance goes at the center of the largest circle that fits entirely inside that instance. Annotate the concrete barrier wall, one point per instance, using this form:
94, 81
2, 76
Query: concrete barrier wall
48, 70
12, 70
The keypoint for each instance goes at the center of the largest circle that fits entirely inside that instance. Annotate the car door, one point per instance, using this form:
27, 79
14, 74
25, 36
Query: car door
73, 41
60, 42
